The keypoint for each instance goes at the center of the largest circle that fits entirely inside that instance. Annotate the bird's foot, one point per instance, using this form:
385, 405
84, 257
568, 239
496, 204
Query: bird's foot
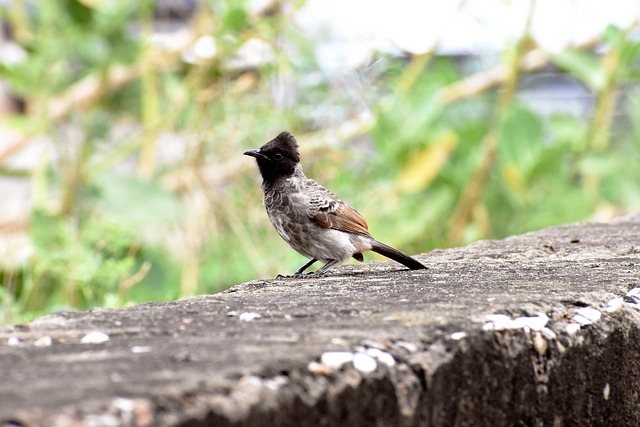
292, 276
314, 274
311, 275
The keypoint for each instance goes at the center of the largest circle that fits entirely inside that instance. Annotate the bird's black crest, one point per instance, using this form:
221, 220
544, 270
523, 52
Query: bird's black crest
277, 158
285, 144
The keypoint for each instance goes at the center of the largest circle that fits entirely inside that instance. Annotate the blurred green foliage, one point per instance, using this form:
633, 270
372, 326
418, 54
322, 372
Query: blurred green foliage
143, 193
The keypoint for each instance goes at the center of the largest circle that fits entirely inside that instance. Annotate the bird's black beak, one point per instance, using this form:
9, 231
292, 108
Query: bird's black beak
255, 153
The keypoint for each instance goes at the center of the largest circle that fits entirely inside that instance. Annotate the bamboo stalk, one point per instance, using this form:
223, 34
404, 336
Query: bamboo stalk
598, 133
472, 193
150, 97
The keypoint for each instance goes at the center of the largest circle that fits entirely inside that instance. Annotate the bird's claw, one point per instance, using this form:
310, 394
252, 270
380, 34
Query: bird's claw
292, 276
310, 275
313, 274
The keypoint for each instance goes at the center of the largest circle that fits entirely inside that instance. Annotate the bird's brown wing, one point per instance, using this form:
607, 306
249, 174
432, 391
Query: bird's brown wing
330, 212
343, 218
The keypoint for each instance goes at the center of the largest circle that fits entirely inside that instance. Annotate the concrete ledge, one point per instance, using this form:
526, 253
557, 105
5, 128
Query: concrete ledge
538, 329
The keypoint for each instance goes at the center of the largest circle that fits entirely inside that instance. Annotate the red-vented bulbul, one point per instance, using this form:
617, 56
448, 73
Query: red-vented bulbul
310, 218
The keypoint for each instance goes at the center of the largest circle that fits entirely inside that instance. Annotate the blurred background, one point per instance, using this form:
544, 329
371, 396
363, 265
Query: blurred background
122, 127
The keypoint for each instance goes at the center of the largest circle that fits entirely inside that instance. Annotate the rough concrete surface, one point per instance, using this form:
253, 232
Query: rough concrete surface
541, 329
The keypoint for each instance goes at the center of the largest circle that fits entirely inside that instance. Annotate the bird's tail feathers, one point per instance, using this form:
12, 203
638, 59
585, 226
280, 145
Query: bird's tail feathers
396, 255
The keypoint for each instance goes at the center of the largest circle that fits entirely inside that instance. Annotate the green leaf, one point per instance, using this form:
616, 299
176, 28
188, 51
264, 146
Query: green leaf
583, 65
599, 166
614, 35
520, 139
80, 13
48, 232
236, 20
568, 131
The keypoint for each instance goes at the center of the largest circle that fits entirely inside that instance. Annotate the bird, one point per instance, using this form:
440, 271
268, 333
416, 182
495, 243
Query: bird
310, 218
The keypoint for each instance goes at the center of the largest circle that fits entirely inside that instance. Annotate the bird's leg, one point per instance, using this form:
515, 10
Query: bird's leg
298, 273
322, 270
303, 268
319, 273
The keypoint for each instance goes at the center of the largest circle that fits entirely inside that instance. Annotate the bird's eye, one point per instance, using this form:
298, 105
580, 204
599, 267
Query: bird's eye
277, 156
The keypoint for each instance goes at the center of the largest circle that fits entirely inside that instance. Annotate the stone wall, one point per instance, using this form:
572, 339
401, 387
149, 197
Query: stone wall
541, 329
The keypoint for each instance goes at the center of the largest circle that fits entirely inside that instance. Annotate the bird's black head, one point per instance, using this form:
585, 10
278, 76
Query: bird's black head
277, 158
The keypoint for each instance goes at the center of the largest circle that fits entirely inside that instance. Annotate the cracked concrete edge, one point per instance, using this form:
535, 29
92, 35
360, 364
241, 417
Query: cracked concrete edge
421, 381
421, 384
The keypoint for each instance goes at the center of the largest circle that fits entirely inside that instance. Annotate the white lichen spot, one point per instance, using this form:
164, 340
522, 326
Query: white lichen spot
586, 316
500, 322
275, 383
534, 323
635, 292
45, 341
95, 337
457, 336
364, 363
633, 298
606, 391
249, 382
572, 328
614, 305
137, 349
124, 404
539, 344
249, 316
410, 347
381, 356
548, 334
496, 322
335, 359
